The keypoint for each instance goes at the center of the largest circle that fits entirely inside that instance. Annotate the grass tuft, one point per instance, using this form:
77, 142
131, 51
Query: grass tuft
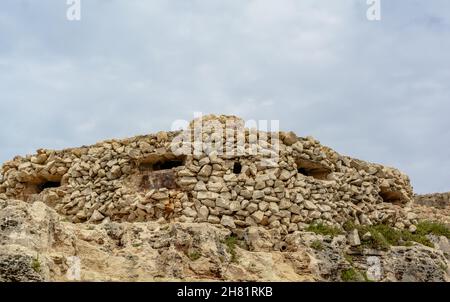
36, 264
231, 242
433, 227
322, 229
384, 236
349, 275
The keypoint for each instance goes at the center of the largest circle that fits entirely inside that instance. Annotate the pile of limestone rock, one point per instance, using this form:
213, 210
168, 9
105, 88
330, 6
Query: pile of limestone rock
275, 180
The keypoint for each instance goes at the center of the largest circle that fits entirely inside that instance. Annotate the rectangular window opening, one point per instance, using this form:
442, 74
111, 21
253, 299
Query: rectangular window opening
313, 169
158, 162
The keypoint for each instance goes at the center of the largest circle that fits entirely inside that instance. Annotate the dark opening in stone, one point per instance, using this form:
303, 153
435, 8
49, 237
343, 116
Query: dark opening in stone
237, 168
47, 185
161, 162
394, 197
157, 171
313, 169
39, 184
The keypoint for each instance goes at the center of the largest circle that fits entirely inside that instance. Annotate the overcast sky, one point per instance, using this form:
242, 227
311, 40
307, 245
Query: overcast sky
378, 91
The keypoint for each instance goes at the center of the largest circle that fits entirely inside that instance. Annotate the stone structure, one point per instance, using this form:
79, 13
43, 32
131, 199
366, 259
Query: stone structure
438, 200
142, 179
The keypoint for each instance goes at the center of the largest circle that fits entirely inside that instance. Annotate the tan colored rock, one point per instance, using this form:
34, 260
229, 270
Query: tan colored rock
309, 205
203, 213
258, 216
353, 238
228, 221
96, 216
205, 171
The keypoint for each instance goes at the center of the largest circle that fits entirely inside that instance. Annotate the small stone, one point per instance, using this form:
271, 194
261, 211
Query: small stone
258, 216
295, 209
114, 173
273, 207
39, 159
203, 213
325, 208
97, 216
209, 203
205, 171
252, 207
204, 161
160, 195
399, 225
200, 186
161, 136
81, 215
234, 206
207, 195
284, 204
246, 194
412, 228
314, 214
298, 146
353, 238
364, 220
260, 185
221, 202
215, 186
186, 181
367, 236
263, 205
230, 177
213, 219
292, 227
271, 199
285, 175
258, 194
289, 138
189, 212
227, 221
310, 205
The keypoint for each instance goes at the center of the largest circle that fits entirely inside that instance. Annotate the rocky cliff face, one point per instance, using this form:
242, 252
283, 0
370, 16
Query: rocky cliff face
38, 244
272, 206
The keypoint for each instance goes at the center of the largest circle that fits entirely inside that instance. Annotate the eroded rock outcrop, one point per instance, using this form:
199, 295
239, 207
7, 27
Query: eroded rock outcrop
37, 244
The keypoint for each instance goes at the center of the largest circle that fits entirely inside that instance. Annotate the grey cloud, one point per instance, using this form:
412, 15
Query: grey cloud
374, 90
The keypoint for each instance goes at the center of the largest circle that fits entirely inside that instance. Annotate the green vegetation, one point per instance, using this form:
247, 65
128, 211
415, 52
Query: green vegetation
322, 229
137, 244
231, 242
317, 245
384, 236
354, 275
433, 227
349, 275
36, 264
194, 255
